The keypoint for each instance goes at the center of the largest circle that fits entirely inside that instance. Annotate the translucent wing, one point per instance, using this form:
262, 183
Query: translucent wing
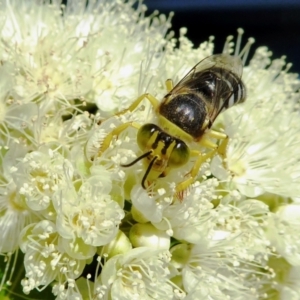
217, 80
224, 61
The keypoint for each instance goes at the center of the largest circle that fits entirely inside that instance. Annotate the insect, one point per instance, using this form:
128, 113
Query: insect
185, 117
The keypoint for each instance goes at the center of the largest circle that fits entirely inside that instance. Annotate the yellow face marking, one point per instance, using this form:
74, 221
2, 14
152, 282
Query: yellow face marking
160, 163
162, 158
152, 140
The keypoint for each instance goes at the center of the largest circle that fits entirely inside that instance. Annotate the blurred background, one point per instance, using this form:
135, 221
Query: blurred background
273, 23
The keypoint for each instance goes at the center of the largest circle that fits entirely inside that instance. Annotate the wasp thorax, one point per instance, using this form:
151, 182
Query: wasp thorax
173, 151
187, 112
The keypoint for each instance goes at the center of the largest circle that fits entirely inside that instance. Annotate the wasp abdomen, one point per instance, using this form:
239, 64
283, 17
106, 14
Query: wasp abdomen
187, 111
226, 82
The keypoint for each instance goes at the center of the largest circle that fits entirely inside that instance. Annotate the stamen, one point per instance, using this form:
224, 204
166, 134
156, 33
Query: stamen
7, 265
136, 160
238, 41
287, 67
147, 171
245, 51
140, 78
13, 266
226, 48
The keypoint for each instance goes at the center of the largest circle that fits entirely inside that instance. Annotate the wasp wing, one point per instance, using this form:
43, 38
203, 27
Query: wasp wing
229, 89
217, 79
192, 79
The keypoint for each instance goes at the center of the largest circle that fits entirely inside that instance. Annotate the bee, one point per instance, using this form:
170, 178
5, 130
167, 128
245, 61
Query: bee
185, 117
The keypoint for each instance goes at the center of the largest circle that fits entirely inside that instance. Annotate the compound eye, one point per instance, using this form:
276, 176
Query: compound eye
180, 155
145, 133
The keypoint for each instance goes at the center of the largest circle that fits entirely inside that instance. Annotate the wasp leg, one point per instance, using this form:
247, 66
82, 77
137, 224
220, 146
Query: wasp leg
222, 147
221, 150
195, 169
206, 142
216, 134
154, 102
169, 85
115, 132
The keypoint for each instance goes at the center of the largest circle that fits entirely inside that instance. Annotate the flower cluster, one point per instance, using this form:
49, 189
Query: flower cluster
66, 72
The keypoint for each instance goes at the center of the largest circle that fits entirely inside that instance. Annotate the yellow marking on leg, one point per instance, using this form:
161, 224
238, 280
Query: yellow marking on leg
205, 142
154, 102
115, 132
169, 85
216, 134
195, 169
201, 158
222, 148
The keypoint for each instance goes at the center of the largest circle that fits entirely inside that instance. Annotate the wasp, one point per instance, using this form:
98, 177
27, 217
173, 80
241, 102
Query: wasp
184, 119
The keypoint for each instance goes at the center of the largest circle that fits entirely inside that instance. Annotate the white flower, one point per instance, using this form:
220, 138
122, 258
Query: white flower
264, 131
187, 220
69, 203
289, 289
52, 66
14, 217
86, 219
283, 232
142, 273
214, 269
14, 212
85, 58
285, 284
44, 261
40, 174
221, 255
